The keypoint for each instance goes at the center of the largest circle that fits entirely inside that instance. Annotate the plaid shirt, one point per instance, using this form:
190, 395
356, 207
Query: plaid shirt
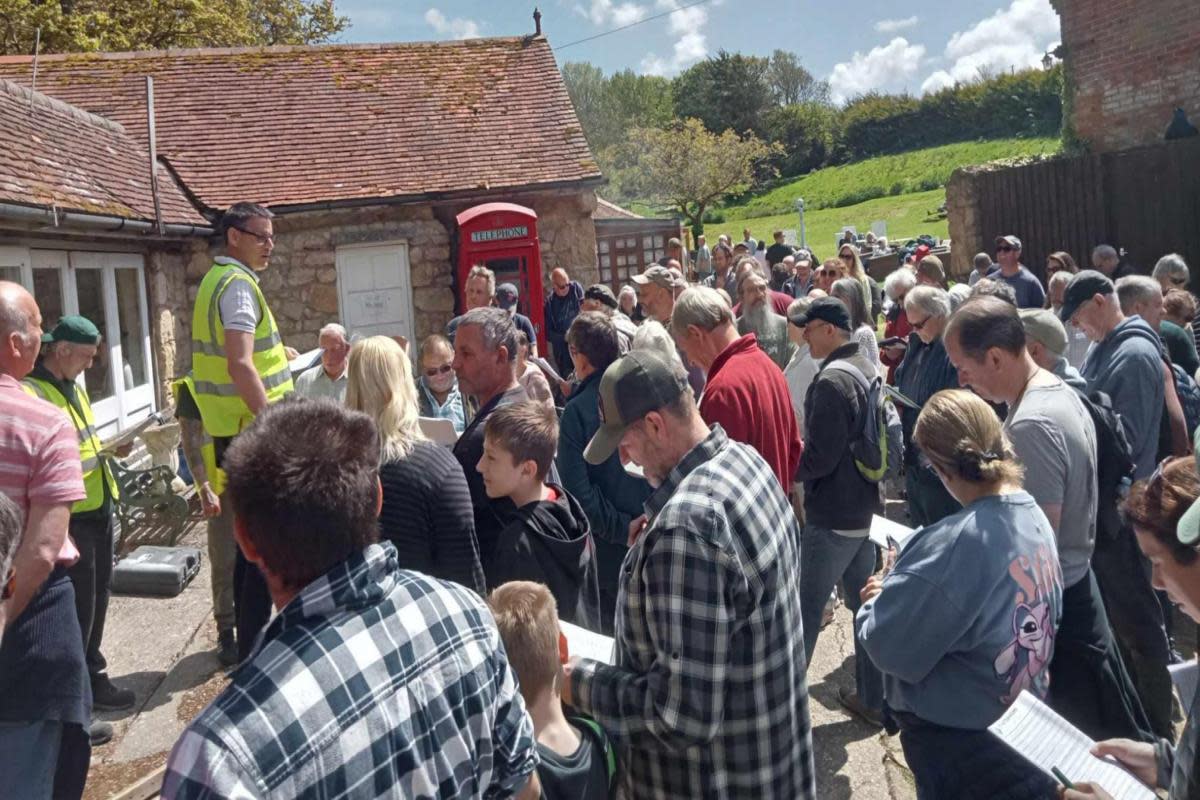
707, 697
372, 682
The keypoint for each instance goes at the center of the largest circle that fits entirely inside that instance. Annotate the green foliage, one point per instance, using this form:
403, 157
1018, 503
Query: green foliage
116, 25
917, 171
806, 132
609, 107
727, 92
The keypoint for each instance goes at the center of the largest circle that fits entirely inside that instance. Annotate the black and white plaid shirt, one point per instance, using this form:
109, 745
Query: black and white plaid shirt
372, 682
707, 697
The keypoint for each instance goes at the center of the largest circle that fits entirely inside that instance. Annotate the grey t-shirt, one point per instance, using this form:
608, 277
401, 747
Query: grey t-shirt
1055, 440
238, 305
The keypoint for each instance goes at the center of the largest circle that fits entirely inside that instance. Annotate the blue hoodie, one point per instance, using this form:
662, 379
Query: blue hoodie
1127, 365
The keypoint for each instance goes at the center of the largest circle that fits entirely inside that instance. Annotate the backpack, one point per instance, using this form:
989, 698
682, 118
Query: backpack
603, 746
879, 450
1189, 397
1114, 463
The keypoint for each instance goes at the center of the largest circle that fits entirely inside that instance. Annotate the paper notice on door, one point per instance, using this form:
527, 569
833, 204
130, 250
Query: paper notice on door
585, 643
1034, 730
885, 533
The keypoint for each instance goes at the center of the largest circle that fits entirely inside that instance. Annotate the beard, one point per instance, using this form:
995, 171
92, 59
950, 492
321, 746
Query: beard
756, 316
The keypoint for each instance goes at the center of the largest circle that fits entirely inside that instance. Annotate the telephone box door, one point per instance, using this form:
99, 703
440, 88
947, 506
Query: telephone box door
503, 237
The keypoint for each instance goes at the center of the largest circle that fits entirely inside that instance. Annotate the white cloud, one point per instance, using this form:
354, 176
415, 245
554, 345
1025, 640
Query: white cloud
606, 12
895, 25
456, 28
1013, 37
885, 68
691, 43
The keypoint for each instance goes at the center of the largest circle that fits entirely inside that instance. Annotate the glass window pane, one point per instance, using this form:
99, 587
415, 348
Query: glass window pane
647, 241
47, 291
10, 274
604, 245
620, 261
605, 274
90, 286
659, 242
129, 319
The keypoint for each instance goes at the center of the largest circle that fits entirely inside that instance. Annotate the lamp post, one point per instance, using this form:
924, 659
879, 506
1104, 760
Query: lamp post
800, 209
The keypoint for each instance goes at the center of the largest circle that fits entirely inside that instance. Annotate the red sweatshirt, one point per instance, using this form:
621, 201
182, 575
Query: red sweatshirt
747, 395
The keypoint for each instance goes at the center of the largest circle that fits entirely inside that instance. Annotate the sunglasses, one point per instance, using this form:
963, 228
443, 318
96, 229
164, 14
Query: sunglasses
919, 326
1005, 249
442, 370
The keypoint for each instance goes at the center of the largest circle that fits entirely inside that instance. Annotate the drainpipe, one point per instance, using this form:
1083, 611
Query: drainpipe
103, 222
158, 220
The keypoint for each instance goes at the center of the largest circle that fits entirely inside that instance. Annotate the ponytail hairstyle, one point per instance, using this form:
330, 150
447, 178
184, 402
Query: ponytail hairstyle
961, 435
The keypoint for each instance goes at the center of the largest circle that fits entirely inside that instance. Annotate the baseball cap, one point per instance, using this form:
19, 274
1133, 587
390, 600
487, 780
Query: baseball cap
1010, 240
506, 295
803, 255
77, 329
666, 277
825, 309
632, 387
1042, 326
1085, 285
602, 294
1188, 529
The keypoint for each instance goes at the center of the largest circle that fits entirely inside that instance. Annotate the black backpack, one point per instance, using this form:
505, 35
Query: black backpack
1114, 463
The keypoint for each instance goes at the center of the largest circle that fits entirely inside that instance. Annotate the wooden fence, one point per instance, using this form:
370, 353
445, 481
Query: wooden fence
1145, 200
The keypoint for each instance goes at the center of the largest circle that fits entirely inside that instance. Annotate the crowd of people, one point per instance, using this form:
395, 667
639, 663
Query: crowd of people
693, 469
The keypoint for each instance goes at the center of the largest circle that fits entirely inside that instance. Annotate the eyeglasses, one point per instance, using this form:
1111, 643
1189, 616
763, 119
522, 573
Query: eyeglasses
262, 238
442, 370
1005, 249
919, 326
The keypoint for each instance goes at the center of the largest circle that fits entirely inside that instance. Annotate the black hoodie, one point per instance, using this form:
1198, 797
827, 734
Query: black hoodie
549, 542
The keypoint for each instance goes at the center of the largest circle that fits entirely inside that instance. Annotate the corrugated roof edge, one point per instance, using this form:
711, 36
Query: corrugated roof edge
45, 101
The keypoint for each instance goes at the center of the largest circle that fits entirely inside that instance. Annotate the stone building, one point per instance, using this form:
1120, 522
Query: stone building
1129, 66
365, 153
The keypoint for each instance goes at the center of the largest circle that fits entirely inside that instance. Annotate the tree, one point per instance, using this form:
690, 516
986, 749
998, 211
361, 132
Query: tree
609, 107
805, 133
791, 83
687, 168
728, 92
80, 26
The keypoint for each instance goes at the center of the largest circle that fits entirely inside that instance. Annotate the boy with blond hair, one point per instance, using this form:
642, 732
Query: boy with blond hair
576, 760
547, 539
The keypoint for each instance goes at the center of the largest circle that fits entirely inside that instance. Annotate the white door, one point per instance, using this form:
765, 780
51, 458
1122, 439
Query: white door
375, 290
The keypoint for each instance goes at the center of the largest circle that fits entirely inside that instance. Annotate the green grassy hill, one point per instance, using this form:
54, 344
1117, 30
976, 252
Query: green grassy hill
884, 176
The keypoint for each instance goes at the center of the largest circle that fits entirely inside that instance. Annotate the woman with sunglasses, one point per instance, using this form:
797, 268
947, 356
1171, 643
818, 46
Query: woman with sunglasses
1166, 519
848, 255
1060, 261
427, 512
925, 371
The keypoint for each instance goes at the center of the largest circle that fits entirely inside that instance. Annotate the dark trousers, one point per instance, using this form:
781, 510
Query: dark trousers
92, 578
928, 500
252, 604
1124, 578
1089, 684
958, 764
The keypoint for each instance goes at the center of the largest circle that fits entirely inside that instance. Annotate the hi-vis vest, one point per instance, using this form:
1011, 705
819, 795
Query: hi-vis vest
223, 410
95, 473
208, 451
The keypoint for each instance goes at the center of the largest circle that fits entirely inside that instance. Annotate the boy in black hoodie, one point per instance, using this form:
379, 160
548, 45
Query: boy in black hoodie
547, 540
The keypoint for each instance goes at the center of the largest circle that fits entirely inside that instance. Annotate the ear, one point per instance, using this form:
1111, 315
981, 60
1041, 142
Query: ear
502, 354
243, 540
10, 584
528, 469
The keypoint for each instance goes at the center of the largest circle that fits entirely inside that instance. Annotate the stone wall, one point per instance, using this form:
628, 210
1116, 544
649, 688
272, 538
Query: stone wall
1129, 65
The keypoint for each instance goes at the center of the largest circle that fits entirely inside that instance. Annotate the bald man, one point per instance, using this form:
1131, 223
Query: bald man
562, 306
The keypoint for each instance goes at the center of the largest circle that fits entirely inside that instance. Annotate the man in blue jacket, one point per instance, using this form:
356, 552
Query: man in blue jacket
562, 306
610, 496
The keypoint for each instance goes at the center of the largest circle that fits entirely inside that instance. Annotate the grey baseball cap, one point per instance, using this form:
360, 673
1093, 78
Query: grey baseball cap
1042, 326
666, 277
632, 387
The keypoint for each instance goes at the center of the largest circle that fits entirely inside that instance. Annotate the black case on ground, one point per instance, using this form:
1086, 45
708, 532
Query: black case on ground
163, 571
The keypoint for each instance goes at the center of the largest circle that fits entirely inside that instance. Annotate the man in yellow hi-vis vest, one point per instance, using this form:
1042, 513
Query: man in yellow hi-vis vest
239, 366
67, 351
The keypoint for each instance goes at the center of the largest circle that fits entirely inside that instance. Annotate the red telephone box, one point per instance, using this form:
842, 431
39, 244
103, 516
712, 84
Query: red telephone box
503, 237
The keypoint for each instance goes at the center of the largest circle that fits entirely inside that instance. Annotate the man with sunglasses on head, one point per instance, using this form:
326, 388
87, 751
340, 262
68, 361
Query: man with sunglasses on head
1028, 288
239, 367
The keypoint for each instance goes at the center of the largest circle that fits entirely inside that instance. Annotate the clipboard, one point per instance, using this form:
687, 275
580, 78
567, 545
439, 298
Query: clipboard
899, 397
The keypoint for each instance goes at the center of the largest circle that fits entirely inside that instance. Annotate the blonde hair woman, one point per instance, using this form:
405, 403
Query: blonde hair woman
848, 255
426, 509
966, 619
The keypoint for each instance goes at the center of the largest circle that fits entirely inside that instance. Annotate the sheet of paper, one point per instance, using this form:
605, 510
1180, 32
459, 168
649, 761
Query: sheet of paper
585, 643
884, 532
438, 430
1185, 676
1034, 730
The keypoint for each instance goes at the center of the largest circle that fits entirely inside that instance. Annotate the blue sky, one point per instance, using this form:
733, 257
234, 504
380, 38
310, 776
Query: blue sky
858, 45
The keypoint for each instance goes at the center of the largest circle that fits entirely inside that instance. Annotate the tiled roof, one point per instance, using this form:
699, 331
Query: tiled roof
292, 125
53, 154
607, 210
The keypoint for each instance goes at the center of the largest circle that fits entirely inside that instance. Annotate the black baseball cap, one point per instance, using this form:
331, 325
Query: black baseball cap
825, 309
1085, 285
633, 386
602, 294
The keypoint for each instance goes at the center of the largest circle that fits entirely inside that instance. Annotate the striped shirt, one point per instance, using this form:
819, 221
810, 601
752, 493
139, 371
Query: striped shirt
39, 450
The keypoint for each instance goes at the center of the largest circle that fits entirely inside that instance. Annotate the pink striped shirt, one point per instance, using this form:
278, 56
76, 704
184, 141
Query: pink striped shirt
39, 450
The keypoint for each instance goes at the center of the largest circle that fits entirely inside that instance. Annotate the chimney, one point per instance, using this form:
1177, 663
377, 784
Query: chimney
537, 22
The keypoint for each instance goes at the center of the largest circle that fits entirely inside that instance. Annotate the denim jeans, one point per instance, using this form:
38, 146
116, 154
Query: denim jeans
43, 759
827, 558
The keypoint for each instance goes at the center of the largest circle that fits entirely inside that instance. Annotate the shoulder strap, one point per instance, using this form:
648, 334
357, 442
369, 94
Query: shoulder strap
842, 365
610, 758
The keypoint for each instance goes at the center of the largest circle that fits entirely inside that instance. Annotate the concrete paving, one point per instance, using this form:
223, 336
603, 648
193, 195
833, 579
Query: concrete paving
164, 649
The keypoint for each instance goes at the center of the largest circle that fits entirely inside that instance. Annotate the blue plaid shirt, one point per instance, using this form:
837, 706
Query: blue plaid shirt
372, 682
707, 695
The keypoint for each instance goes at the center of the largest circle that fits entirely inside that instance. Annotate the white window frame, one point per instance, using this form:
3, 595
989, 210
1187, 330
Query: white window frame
126, 407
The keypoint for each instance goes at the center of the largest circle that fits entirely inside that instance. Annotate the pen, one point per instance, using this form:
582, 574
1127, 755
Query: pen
1062, 778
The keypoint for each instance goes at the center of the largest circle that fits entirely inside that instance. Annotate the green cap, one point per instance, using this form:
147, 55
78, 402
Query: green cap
632, 387
1188, 529
77, 329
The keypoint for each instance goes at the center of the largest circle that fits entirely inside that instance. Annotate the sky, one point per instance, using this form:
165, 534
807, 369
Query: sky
857, 45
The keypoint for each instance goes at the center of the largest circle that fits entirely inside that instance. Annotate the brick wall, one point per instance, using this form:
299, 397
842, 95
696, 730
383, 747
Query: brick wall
1131, 63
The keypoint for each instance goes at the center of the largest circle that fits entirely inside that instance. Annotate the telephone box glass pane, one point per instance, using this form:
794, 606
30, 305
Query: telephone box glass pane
512, 270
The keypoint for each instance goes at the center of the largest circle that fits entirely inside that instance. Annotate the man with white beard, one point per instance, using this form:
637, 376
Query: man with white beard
760, 319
